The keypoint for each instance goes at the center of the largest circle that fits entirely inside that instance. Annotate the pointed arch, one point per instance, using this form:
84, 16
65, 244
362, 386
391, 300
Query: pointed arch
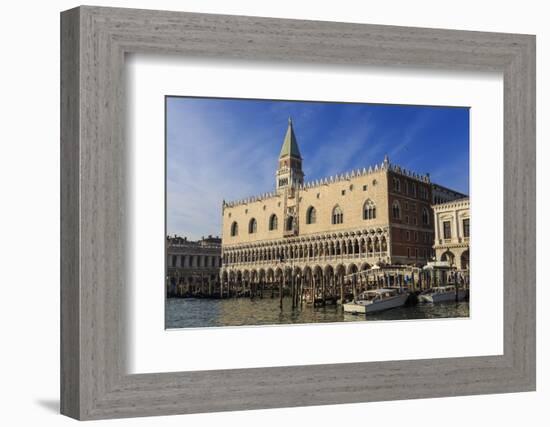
384, 244
396, 210
365, 266
340, 270
311, 215
369, 209
337, 215
376, 245
396, 184
290, 223
273, 222
252, 226
234, 229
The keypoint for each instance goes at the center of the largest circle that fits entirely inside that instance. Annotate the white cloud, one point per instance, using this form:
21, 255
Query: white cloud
204, 166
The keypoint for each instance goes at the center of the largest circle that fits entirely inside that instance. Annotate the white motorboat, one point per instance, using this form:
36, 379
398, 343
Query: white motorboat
376, 300
443, 293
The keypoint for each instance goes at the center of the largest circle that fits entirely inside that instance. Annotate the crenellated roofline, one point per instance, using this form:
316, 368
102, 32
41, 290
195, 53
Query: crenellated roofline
384, 165
251, 199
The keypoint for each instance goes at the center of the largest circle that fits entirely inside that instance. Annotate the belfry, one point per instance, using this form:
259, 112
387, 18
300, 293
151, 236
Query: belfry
289, 174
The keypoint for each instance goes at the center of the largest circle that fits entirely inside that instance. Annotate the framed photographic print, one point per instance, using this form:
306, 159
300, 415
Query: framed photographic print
304, 212
352, 239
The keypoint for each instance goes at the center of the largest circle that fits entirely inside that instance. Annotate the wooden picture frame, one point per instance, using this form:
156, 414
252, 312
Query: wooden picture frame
94, 382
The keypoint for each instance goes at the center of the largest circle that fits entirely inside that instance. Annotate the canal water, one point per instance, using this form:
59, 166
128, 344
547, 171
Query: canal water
200, 313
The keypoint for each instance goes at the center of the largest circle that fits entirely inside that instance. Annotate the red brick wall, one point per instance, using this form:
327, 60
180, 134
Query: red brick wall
409, 236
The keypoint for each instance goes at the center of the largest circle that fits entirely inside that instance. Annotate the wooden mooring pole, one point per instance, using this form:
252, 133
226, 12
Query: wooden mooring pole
323, 290
292, 291
301, 294
281, 294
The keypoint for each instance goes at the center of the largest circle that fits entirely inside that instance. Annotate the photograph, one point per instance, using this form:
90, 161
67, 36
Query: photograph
296, 212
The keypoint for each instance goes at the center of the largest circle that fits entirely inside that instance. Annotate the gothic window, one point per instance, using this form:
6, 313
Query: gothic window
290, 223
252, 226
396, 185
337, 215
423, 192
369, 210
311, 215
273, 222
234, 229
425, 217
396, 210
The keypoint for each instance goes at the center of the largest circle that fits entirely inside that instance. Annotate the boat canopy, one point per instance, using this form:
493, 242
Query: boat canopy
432, 265
390, 269
381, 290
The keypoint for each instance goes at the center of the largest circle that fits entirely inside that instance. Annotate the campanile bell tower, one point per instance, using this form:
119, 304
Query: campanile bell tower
289, 174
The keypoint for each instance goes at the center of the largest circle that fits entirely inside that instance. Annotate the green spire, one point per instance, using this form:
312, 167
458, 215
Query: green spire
290, 146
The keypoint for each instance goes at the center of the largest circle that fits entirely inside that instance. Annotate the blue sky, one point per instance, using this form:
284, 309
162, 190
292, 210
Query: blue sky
228, 148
